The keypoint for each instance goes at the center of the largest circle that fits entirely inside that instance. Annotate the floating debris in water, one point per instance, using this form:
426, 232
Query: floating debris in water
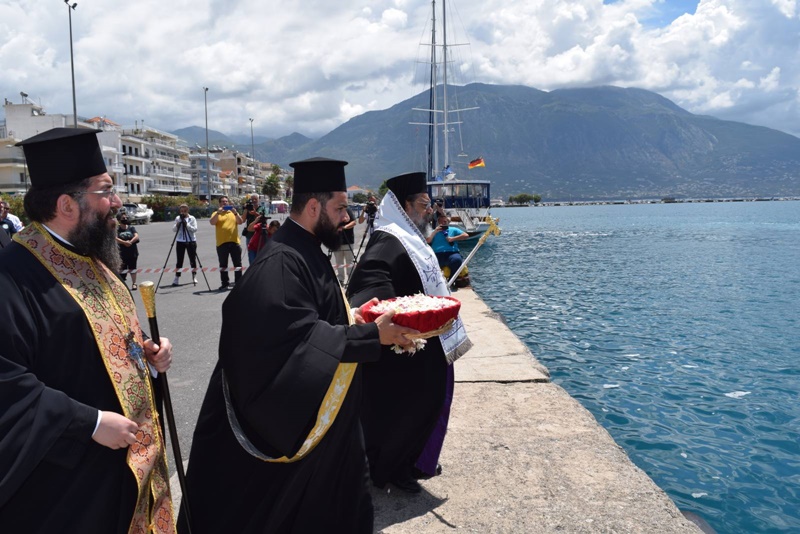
737, 394
684, 455
610, 386
699, 494
687, 366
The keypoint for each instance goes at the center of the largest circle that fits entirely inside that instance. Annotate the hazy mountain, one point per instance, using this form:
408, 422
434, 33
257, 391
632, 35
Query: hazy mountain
196, 135
602, 142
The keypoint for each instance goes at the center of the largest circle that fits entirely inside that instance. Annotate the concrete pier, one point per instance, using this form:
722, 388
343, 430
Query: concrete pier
521, 455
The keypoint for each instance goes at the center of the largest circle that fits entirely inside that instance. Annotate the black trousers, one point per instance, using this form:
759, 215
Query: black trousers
182, 248
235, 252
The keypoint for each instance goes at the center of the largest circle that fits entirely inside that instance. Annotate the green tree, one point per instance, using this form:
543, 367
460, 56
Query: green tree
512, 199
537, 198
383, 189
276, 169
359, 198
523, 198
289, 184
271, 187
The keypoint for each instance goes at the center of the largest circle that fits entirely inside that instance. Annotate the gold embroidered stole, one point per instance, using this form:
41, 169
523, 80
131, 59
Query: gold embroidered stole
329, 409
111, 313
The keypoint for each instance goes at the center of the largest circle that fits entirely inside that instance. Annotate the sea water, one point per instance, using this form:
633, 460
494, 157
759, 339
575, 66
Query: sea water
676, 325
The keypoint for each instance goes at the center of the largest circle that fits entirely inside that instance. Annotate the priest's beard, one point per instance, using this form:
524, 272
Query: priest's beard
95, 236
327, 232
421, 220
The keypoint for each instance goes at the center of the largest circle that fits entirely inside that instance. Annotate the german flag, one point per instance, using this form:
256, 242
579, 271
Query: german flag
476, 163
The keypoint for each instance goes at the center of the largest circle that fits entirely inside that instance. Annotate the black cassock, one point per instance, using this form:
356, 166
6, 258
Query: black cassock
403, 394
53, 476
284, 332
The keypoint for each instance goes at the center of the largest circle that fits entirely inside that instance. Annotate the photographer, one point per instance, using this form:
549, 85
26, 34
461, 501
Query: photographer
252, 211
369, 213
186, 227
261, 231
226, 221
444, 242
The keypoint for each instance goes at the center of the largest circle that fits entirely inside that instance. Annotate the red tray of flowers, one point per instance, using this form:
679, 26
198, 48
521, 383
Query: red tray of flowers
425, 313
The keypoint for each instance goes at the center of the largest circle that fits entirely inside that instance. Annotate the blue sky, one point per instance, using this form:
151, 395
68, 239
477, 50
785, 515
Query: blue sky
270, 61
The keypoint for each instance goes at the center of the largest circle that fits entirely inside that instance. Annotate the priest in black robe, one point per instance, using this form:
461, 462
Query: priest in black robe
65, 445
278, 444
404, 394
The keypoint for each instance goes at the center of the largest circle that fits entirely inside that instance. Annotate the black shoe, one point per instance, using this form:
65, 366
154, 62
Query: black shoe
223, 287
422, 475
409, 485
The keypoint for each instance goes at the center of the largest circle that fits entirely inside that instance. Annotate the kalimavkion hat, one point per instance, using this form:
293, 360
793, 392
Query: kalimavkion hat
62, 156
319, 175
405, 185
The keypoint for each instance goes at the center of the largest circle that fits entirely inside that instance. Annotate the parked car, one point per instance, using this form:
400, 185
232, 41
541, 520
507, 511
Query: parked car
137, 213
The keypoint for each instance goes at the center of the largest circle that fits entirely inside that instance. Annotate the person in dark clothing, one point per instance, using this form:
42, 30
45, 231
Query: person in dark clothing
128, 239
278, 444
80, 445
404, 396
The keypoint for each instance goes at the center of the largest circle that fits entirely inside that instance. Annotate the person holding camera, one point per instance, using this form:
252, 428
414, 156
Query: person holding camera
186, 227
261, 231
369, 213
444, 242
226, 221
252, 211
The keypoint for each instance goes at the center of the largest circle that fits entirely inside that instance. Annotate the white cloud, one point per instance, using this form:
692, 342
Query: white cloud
310, 66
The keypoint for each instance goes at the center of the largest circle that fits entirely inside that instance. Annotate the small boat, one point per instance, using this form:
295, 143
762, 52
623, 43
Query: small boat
466, 202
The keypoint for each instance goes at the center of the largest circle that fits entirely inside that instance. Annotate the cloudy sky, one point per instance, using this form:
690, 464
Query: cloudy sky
308, 66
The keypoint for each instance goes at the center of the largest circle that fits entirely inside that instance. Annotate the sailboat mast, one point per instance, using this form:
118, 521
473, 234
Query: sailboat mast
444, 85
434, 78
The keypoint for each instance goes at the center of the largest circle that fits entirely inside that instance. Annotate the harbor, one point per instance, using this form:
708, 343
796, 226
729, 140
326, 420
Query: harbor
521, 455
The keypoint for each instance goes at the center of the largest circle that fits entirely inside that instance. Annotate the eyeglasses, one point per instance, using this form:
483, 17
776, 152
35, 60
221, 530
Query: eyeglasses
108, 193
427, 204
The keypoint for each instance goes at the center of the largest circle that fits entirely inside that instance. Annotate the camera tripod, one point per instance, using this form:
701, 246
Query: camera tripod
196, 257
368, 231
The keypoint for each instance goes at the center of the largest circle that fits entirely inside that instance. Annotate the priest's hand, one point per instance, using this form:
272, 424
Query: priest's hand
115, 431
393, 334
159, 356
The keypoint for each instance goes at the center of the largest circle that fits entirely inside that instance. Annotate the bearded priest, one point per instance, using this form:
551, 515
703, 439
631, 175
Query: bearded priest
406, 398
81, 449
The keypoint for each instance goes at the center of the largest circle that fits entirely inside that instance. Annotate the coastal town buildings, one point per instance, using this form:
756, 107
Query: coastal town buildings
141, 160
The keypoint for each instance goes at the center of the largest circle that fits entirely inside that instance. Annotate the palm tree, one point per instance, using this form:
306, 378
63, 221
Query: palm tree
271, 187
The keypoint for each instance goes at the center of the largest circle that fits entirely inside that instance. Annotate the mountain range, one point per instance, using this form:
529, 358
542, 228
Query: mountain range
582, 144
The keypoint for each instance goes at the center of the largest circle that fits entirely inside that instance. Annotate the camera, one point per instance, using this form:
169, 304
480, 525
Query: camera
262, 219
371, 208
249, 206
445, 228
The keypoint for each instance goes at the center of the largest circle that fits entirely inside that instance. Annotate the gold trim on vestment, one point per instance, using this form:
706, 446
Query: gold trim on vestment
108, 306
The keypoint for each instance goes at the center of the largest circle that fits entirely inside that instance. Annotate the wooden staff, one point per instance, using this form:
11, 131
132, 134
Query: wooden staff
148, 292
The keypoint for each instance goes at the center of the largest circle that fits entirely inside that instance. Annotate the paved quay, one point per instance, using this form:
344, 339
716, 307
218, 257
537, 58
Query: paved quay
521, 455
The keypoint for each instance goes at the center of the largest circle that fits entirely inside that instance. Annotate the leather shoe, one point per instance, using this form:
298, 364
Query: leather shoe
408, 485
421, 475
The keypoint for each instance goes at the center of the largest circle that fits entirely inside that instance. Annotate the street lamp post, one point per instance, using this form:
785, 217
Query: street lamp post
70, 9
253, 152
208, 165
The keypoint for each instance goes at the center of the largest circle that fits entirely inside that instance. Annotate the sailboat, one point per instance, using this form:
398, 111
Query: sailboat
467, 202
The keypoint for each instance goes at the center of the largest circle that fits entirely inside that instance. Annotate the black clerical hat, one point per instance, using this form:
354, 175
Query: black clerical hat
408, 184
62, 156
319, 175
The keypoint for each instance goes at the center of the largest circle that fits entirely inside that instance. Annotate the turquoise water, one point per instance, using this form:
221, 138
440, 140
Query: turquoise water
676, 325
